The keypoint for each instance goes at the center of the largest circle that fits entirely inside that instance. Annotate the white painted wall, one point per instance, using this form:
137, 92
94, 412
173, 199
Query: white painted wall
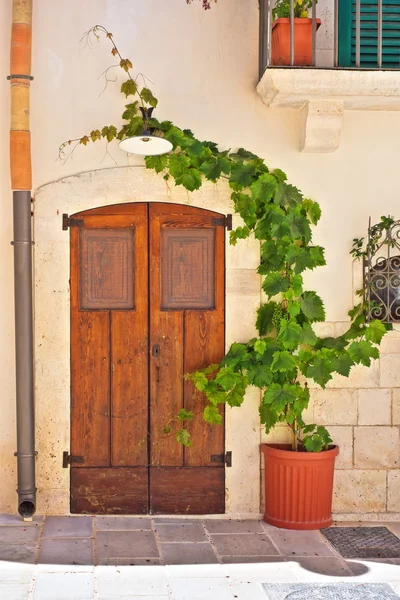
204, 66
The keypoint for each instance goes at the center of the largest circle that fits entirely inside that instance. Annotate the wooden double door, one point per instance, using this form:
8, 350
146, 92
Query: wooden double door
147, 306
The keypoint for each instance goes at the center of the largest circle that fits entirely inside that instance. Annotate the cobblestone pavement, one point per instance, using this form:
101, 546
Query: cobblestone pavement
107, 558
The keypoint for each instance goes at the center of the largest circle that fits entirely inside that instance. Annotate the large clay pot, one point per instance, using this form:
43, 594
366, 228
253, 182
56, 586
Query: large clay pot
298, 487
302, 41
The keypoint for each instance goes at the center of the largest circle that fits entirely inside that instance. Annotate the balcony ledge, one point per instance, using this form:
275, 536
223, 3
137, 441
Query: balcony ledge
321, 96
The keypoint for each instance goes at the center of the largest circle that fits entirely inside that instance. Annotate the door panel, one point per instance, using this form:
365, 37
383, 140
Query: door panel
193, 491
147, 306
109, 362
116, 491
184, 276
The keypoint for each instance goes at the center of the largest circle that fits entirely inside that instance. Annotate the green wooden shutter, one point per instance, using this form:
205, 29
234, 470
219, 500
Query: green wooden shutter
369, 34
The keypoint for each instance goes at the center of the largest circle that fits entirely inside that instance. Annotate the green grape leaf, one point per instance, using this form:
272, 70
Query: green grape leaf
280, 175
236, 396
213, 168
308, 336
245, 206
283, 361
200, 380
320, 370
299, 227
130, 112
268, 416
265, 314
296, 284
278, 396
375, 331
290, 334
259, 375
293, 308
129, 88
244, 154
147, 96
312, 306
227, 378
177, 138
274, 283
240, 233
342, 364
264, 187
362, 352
212, 415
242, 175
158, 163
287, 195
312, 210
195, 149
236, 354
260, 346
185, 415
183, 437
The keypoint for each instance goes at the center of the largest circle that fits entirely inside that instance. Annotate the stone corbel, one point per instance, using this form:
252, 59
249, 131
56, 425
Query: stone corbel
320, 125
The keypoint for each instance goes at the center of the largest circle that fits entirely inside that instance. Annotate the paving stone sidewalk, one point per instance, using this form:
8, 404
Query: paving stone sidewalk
119, 541
108, 558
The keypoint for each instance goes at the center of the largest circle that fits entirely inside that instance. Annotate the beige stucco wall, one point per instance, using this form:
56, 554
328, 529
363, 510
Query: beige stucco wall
204, 67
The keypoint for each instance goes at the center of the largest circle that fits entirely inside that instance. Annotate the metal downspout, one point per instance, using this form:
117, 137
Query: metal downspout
21, 181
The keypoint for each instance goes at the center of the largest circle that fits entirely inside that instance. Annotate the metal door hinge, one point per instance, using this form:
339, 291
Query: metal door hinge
226, 458
68, 459
224, 221
70, 222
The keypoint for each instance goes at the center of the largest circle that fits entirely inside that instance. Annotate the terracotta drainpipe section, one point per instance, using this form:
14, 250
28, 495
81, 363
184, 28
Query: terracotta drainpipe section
21, 181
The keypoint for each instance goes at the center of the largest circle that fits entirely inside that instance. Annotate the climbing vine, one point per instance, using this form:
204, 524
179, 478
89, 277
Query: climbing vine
287, 352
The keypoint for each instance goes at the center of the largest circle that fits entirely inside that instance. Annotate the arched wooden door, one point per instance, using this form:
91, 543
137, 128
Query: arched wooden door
147, 306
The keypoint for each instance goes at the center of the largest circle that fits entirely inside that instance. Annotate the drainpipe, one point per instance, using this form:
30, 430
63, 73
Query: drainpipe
21, 182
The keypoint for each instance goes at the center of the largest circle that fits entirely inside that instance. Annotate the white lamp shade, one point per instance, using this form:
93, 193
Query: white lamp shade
146, 145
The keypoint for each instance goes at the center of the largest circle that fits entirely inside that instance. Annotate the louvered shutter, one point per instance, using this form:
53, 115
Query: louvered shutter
369, 34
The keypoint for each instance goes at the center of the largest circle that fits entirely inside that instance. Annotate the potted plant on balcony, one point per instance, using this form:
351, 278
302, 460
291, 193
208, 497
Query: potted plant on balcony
280, 53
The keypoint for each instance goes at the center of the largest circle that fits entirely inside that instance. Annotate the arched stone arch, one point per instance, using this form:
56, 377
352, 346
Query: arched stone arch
98, 188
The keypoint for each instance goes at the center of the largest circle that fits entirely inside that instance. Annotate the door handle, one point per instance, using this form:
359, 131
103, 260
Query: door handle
157, 373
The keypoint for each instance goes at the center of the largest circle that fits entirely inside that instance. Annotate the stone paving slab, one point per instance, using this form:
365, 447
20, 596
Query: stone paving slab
68, 527
126, 544
188, 554
181, 532
244, 544
66, 552
19, 535
123, 523
18, 553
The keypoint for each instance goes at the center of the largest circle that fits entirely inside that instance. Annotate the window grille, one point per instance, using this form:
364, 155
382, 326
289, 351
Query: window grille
382, 273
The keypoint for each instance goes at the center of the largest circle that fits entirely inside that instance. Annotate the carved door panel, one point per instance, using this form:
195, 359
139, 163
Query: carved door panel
144, 272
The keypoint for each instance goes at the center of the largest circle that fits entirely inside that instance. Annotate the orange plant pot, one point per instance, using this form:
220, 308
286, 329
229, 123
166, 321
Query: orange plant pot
302, 41
298, 487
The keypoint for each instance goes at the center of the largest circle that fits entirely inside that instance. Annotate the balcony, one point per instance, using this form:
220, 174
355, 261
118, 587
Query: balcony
343, 55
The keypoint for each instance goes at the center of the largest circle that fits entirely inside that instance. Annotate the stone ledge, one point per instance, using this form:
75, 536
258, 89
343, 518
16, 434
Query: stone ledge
323, 95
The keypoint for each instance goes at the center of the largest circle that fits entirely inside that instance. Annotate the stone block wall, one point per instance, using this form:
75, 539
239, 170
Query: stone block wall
362, 414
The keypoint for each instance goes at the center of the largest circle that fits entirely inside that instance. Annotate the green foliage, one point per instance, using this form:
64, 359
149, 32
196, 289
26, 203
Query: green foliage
277, 214
282, 9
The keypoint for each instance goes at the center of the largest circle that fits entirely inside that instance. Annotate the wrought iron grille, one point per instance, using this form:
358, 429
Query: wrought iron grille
382, 274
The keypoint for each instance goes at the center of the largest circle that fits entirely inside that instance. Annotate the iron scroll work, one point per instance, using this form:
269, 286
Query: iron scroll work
382, 275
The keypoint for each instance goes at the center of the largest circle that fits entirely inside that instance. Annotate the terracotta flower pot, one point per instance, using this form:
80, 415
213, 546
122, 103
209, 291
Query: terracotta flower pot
298, 487
302, 41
